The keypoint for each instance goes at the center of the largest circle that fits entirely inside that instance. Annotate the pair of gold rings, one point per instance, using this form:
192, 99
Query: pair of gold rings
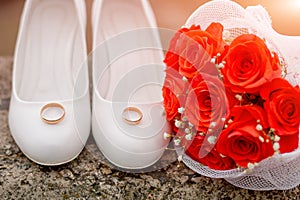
125, 114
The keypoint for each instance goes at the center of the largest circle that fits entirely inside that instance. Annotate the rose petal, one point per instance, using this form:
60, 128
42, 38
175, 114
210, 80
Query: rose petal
289, 143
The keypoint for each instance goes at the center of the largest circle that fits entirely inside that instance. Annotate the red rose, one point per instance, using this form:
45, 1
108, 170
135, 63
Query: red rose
199, 152
282, 104
194, 49
244, 140
172, 58
173, 90
249, 65
206, 103
288, 143
171, 103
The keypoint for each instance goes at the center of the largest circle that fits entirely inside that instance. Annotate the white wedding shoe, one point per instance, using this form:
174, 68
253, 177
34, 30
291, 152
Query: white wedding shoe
128, 119
49, 114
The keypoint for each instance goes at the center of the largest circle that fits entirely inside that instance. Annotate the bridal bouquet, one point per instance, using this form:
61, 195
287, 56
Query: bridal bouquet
228, 101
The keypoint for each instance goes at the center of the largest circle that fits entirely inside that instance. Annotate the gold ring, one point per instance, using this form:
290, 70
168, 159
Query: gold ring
52, 121
132, 121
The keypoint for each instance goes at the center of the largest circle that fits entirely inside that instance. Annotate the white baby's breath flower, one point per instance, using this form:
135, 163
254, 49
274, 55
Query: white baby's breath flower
261, 139
239, 97
259, 127
212, 139
181, 110
213, 124
184, 79
276, 146
178, 123
213, 60
167, 136
188, 137
187, 130
250, 166
276, 138
220, 66
177, 142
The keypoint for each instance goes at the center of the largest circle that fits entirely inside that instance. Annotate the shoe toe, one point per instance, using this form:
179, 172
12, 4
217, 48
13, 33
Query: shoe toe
49, 144
126, 145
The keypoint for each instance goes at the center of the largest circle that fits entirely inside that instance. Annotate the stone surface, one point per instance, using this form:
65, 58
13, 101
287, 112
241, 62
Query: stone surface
88, 177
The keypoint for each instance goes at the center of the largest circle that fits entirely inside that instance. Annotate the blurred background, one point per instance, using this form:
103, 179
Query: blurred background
170, 14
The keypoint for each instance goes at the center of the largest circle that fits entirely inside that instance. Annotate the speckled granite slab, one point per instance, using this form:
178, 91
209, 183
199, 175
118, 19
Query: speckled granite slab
87, 177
